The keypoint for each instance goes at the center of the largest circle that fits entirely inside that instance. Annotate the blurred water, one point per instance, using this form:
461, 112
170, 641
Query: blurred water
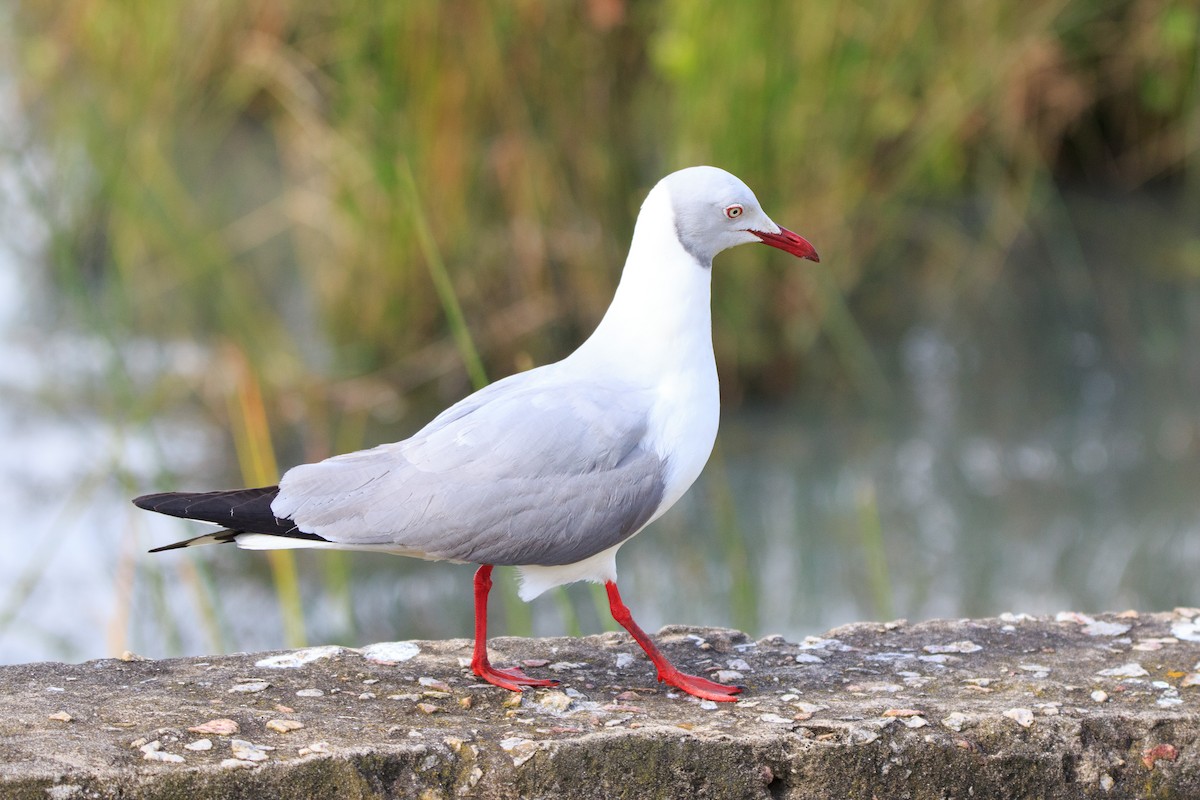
66, 471
1039, 450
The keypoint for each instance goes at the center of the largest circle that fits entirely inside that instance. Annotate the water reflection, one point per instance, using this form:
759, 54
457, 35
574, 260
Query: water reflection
1039, 451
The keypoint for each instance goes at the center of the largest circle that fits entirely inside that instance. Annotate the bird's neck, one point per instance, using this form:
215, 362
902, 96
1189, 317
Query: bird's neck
660, 320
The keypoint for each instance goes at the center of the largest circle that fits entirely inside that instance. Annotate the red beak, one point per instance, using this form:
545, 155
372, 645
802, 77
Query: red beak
789, 242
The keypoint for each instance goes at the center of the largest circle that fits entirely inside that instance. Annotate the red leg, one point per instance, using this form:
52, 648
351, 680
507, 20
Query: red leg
667, 672
512, 678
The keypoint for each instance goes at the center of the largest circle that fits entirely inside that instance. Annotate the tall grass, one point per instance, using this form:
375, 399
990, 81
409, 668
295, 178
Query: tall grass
350, 198
265, 170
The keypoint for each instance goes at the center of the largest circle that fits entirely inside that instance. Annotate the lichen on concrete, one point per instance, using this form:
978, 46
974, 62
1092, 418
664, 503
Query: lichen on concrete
1067, 707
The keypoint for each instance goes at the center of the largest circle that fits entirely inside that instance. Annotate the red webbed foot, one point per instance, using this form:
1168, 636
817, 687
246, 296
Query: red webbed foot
700, 687
513, 678
668, 673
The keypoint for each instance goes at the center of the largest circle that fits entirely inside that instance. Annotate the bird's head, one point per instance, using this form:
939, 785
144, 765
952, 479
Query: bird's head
715, 211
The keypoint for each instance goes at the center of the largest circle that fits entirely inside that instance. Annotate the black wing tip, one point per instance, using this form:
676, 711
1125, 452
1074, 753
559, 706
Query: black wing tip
220, 537
151, 501
173, 546
148, 501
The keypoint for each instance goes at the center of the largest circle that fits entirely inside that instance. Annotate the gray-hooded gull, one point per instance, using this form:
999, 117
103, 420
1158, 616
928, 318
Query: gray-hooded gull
550, 470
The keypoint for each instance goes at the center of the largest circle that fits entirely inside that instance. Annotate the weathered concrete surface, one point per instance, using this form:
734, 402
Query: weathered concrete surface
1009, 707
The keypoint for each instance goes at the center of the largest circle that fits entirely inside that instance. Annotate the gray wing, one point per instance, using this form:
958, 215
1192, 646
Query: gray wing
537, 469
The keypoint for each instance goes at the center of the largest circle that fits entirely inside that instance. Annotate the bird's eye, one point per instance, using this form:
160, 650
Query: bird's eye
734, 211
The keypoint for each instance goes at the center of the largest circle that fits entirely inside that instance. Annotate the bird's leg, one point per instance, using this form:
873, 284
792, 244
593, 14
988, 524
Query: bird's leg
667, 672
512, 678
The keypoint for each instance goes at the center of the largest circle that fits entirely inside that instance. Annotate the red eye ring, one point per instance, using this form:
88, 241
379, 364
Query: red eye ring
734, 211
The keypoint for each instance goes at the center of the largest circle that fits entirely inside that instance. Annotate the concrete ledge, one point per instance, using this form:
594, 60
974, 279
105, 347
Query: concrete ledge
1073, 707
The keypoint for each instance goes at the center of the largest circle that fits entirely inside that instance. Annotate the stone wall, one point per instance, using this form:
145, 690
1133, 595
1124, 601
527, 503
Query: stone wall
1072, 707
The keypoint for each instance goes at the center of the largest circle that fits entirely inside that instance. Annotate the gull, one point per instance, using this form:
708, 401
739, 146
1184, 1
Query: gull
550, 470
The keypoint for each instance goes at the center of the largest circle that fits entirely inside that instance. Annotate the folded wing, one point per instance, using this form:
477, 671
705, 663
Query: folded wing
530, 470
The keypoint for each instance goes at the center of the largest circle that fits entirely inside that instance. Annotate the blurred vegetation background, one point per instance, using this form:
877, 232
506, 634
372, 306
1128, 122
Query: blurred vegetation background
353, 211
